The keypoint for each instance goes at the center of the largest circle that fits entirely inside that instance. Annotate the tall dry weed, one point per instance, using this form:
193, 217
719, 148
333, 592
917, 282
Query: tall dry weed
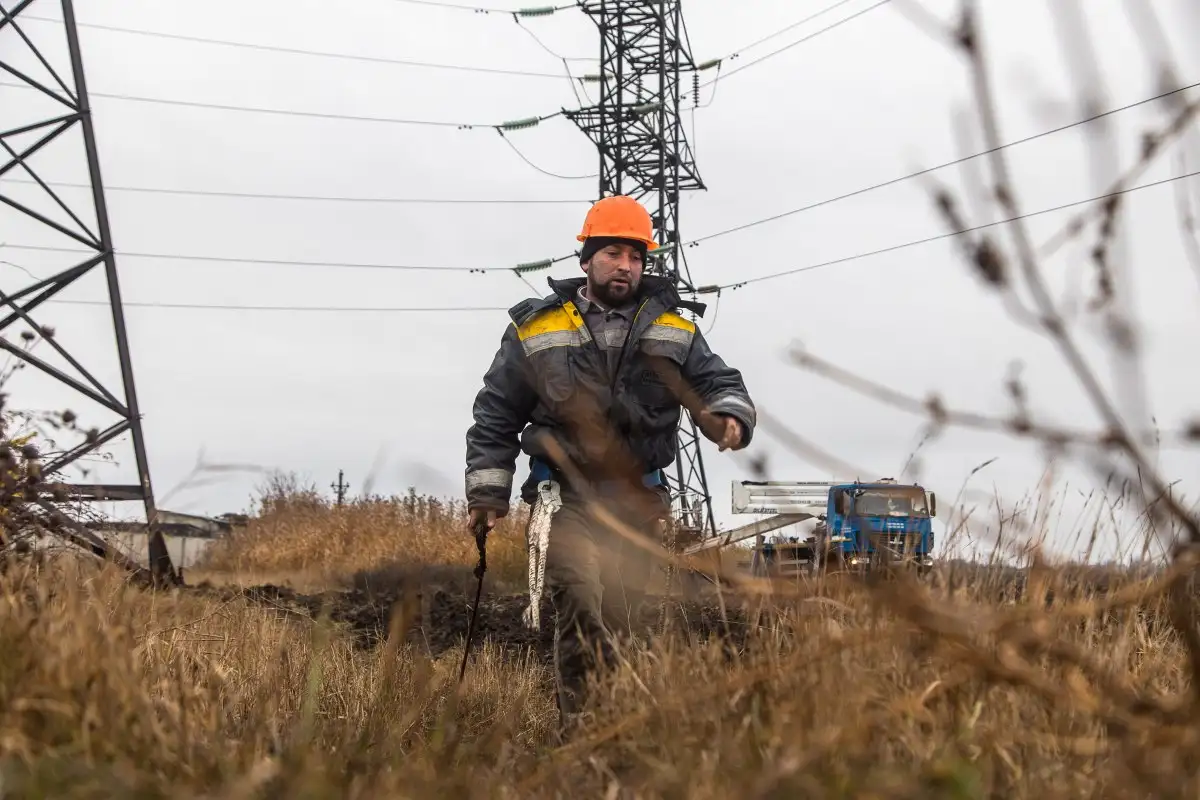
306, 534
867, 691
106, 690
1035, 681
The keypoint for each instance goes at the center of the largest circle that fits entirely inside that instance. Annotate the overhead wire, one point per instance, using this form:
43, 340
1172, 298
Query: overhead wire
927, 170
785, 48
700, 290
529, 122
695, 293
527, 12
517, 14
779, 32
687, 40
518, 271
949, 234
528, 266
312, 198
301, 51
500, 127
566, 62
509, 125
542, 170
322, 309
802, 40
528, 282
694, 242
524, 123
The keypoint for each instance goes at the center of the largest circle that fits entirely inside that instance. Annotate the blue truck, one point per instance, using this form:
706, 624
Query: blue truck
857, 524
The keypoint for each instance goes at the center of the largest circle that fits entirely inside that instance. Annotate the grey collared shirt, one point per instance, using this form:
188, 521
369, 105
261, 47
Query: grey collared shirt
609, 327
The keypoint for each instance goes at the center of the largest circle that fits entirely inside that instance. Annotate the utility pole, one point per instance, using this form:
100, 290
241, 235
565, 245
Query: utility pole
340, 488
22, 137
644, 153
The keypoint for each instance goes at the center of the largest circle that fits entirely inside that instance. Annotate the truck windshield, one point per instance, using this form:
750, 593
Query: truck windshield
888, 502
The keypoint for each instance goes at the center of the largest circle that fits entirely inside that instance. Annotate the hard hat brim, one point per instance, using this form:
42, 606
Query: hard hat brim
650, 243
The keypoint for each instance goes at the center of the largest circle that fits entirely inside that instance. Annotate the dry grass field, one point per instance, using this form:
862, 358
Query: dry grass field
316, 656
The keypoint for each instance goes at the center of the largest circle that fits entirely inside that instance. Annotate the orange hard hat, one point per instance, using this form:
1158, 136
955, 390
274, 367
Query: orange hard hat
620, 217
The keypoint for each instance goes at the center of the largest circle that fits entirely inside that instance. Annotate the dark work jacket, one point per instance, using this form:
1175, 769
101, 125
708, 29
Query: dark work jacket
549, 379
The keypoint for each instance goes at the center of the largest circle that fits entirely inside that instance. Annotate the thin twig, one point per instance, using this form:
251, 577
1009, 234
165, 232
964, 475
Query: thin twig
1027, 259
941, 415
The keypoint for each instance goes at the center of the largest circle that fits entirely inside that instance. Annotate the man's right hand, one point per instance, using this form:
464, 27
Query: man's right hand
722, 430
479, 515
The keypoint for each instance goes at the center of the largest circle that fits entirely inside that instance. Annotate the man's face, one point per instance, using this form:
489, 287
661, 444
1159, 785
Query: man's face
614, 273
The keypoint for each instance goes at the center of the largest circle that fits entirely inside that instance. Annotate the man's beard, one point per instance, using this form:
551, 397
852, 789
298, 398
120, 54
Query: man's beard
613, 295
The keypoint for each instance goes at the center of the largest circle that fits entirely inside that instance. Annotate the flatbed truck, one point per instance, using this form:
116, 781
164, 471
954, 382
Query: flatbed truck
857, 524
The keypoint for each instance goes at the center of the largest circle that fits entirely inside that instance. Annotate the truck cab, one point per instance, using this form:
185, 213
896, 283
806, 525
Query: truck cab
857, 523
865, 519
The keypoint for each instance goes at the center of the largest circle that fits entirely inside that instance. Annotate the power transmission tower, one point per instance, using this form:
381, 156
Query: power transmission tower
59, 104
340, 488
644, 153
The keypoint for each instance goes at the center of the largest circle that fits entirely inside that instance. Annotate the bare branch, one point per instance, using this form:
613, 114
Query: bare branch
1153, 39
1052, 321
1152, 145
925, 20
1187, 219
933, 408
989, 262
808, 450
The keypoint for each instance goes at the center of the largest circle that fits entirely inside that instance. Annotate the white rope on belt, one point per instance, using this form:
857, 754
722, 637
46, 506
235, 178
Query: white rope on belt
549, 501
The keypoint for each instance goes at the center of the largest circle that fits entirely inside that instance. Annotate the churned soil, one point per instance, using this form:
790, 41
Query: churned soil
435, 608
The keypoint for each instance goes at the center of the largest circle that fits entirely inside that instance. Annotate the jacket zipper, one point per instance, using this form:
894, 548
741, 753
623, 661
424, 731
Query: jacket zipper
625, 347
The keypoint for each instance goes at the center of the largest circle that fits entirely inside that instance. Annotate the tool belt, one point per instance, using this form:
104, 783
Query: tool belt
540, 471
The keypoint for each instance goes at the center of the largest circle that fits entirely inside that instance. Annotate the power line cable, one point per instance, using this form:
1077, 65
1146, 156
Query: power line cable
312, 198
537, 40
701, 290
537, 292
524, 12
737, 52
707, 237
802, 40
301, 51
719, 63
781, 31
524, 123
324, 309
927, 170
948, 235
525, 267
526, 159
566, 62
704, 290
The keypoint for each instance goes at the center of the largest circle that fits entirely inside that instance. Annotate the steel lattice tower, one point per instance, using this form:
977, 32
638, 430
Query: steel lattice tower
21, 140
644, 153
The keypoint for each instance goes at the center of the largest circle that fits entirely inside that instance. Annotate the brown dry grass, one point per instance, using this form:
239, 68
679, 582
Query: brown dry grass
970, 685
299, 533
892, 690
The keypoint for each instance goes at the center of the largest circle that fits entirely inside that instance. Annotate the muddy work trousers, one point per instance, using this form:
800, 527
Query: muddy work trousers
597, 580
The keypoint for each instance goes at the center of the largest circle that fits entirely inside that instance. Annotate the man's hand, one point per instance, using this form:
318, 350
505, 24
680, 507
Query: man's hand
721, 429
479, 515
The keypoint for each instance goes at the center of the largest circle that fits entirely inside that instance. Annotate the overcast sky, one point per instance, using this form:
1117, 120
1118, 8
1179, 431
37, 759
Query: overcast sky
865, 102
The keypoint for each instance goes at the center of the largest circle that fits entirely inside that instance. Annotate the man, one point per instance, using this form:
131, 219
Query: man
589, 382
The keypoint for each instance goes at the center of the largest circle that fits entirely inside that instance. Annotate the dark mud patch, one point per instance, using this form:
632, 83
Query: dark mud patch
438, 614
